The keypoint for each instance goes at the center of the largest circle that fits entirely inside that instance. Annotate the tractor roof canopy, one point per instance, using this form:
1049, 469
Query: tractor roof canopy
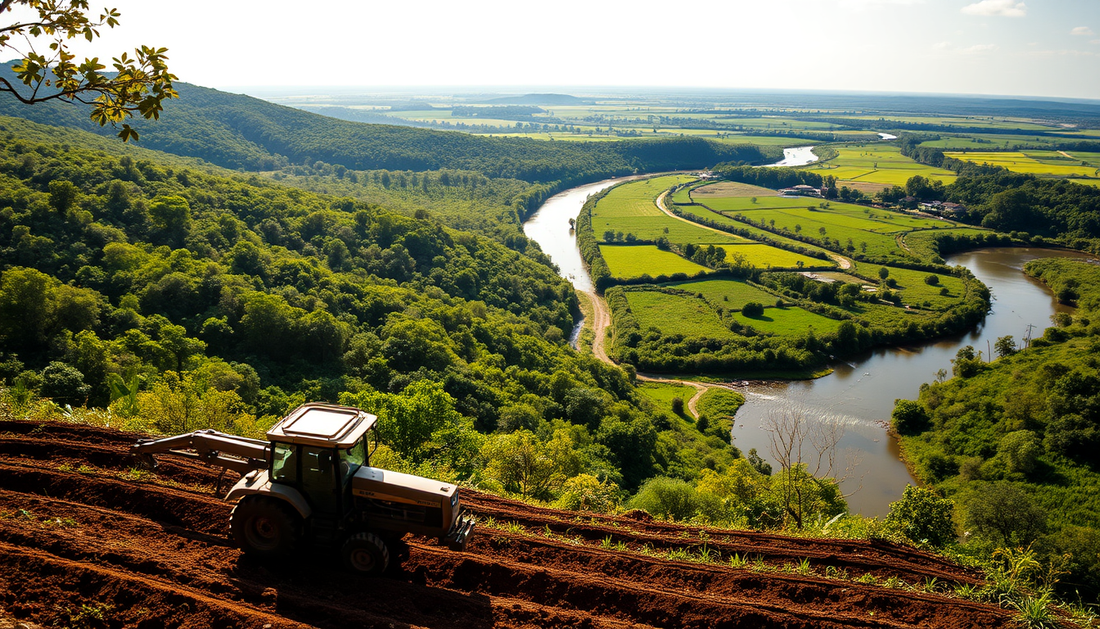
323, 425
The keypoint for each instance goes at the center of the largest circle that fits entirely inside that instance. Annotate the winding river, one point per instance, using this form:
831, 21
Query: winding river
859, 394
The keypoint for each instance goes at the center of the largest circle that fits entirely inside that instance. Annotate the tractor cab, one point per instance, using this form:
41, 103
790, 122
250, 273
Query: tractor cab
317, 449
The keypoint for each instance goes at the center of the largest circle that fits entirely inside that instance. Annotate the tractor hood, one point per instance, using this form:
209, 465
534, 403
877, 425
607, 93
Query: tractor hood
378, 484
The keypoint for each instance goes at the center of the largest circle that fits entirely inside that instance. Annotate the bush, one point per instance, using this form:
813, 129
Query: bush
678, 405
752, 309
1003, 514
667, 498
585, 492
932, 280
923, 517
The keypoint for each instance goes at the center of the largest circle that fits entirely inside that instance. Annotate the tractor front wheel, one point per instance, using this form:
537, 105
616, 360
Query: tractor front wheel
264, 527
366, 553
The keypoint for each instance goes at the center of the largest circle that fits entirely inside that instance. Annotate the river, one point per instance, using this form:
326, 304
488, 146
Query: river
859, 394
798, 156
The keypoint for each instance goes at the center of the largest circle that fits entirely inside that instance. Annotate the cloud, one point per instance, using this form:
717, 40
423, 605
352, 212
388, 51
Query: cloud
1002, 8
941, 45
1082, 30
977, 49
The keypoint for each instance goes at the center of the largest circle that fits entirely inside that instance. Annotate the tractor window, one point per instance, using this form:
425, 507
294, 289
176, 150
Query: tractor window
284, 464
354, 457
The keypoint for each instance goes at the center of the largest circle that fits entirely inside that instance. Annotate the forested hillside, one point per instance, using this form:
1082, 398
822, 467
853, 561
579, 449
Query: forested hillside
1014, 441
241, 132
187, 299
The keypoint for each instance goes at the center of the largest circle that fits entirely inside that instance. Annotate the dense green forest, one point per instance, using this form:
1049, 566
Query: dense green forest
181, 297
1014, 440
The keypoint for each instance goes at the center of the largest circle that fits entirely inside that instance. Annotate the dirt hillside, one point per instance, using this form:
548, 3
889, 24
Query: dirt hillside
86, 541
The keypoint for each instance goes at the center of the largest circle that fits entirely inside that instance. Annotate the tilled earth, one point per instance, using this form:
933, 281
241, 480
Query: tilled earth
85, 541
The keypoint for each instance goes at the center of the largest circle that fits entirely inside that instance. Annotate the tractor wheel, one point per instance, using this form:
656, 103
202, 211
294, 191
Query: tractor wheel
366, 553
264, 527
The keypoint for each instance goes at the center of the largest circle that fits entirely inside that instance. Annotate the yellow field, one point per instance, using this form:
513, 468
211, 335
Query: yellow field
1032, 162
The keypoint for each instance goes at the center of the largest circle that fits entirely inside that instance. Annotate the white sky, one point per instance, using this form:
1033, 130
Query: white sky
1045, 48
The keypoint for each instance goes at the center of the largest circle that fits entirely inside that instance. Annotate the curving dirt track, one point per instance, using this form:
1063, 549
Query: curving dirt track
79, 531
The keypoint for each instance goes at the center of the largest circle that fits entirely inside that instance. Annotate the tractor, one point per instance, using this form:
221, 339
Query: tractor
311, 484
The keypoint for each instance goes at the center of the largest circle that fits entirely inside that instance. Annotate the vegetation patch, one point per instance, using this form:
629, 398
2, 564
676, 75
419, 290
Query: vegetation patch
789, 321
676, 314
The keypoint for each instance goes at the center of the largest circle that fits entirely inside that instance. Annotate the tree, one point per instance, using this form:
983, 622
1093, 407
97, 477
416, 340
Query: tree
1003, 514
909, 417
805, 448
1005, 346
140, 84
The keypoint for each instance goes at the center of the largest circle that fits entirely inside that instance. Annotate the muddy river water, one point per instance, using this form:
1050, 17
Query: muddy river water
859, 394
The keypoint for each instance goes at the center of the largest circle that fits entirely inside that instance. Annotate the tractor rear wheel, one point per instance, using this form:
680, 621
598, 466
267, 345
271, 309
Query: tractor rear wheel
366, 553
264, 527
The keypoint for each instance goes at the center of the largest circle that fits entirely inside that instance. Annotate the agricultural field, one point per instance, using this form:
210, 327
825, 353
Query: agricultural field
876, 163
86, 545
631, 209
676, 314
789, 321
1041, 163
633, 261
730, 294
701, 194
867, 230
695, 212
765, 257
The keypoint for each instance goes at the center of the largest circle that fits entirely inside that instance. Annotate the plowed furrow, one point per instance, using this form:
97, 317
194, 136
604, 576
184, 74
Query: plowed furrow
741, 586
855, 556
133, 545
178, 507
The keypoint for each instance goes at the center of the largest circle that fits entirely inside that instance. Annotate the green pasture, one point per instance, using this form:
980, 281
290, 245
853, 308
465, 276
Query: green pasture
764, 256
650, 228
636, 198
662, 394
789, 321
676, 314
720, 403
1087, 182
1048, 163
730, 294
633, 261
914, 290
920, 242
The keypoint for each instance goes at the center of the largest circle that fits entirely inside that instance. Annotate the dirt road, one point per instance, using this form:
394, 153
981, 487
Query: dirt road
87, 541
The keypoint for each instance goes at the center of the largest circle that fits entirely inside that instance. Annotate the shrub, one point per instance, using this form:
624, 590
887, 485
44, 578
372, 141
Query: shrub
932, 280
923, 517
667, 498
752, 309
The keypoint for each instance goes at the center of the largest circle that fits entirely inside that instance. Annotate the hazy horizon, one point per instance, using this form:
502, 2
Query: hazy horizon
968, 47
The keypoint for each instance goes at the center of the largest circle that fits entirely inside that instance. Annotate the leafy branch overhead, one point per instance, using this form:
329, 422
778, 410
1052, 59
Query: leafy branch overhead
138, 83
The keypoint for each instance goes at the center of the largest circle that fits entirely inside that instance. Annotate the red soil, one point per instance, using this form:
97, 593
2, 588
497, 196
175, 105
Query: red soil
83, 542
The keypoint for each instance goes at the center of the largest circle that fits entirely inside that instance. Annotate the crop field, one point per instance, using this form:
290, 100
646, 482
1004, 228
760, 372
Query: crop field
633, 261
676, 314
738, 204
731, 294
789, 321
764, 256
730, 189
1048, 163
722, 219
877, 163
